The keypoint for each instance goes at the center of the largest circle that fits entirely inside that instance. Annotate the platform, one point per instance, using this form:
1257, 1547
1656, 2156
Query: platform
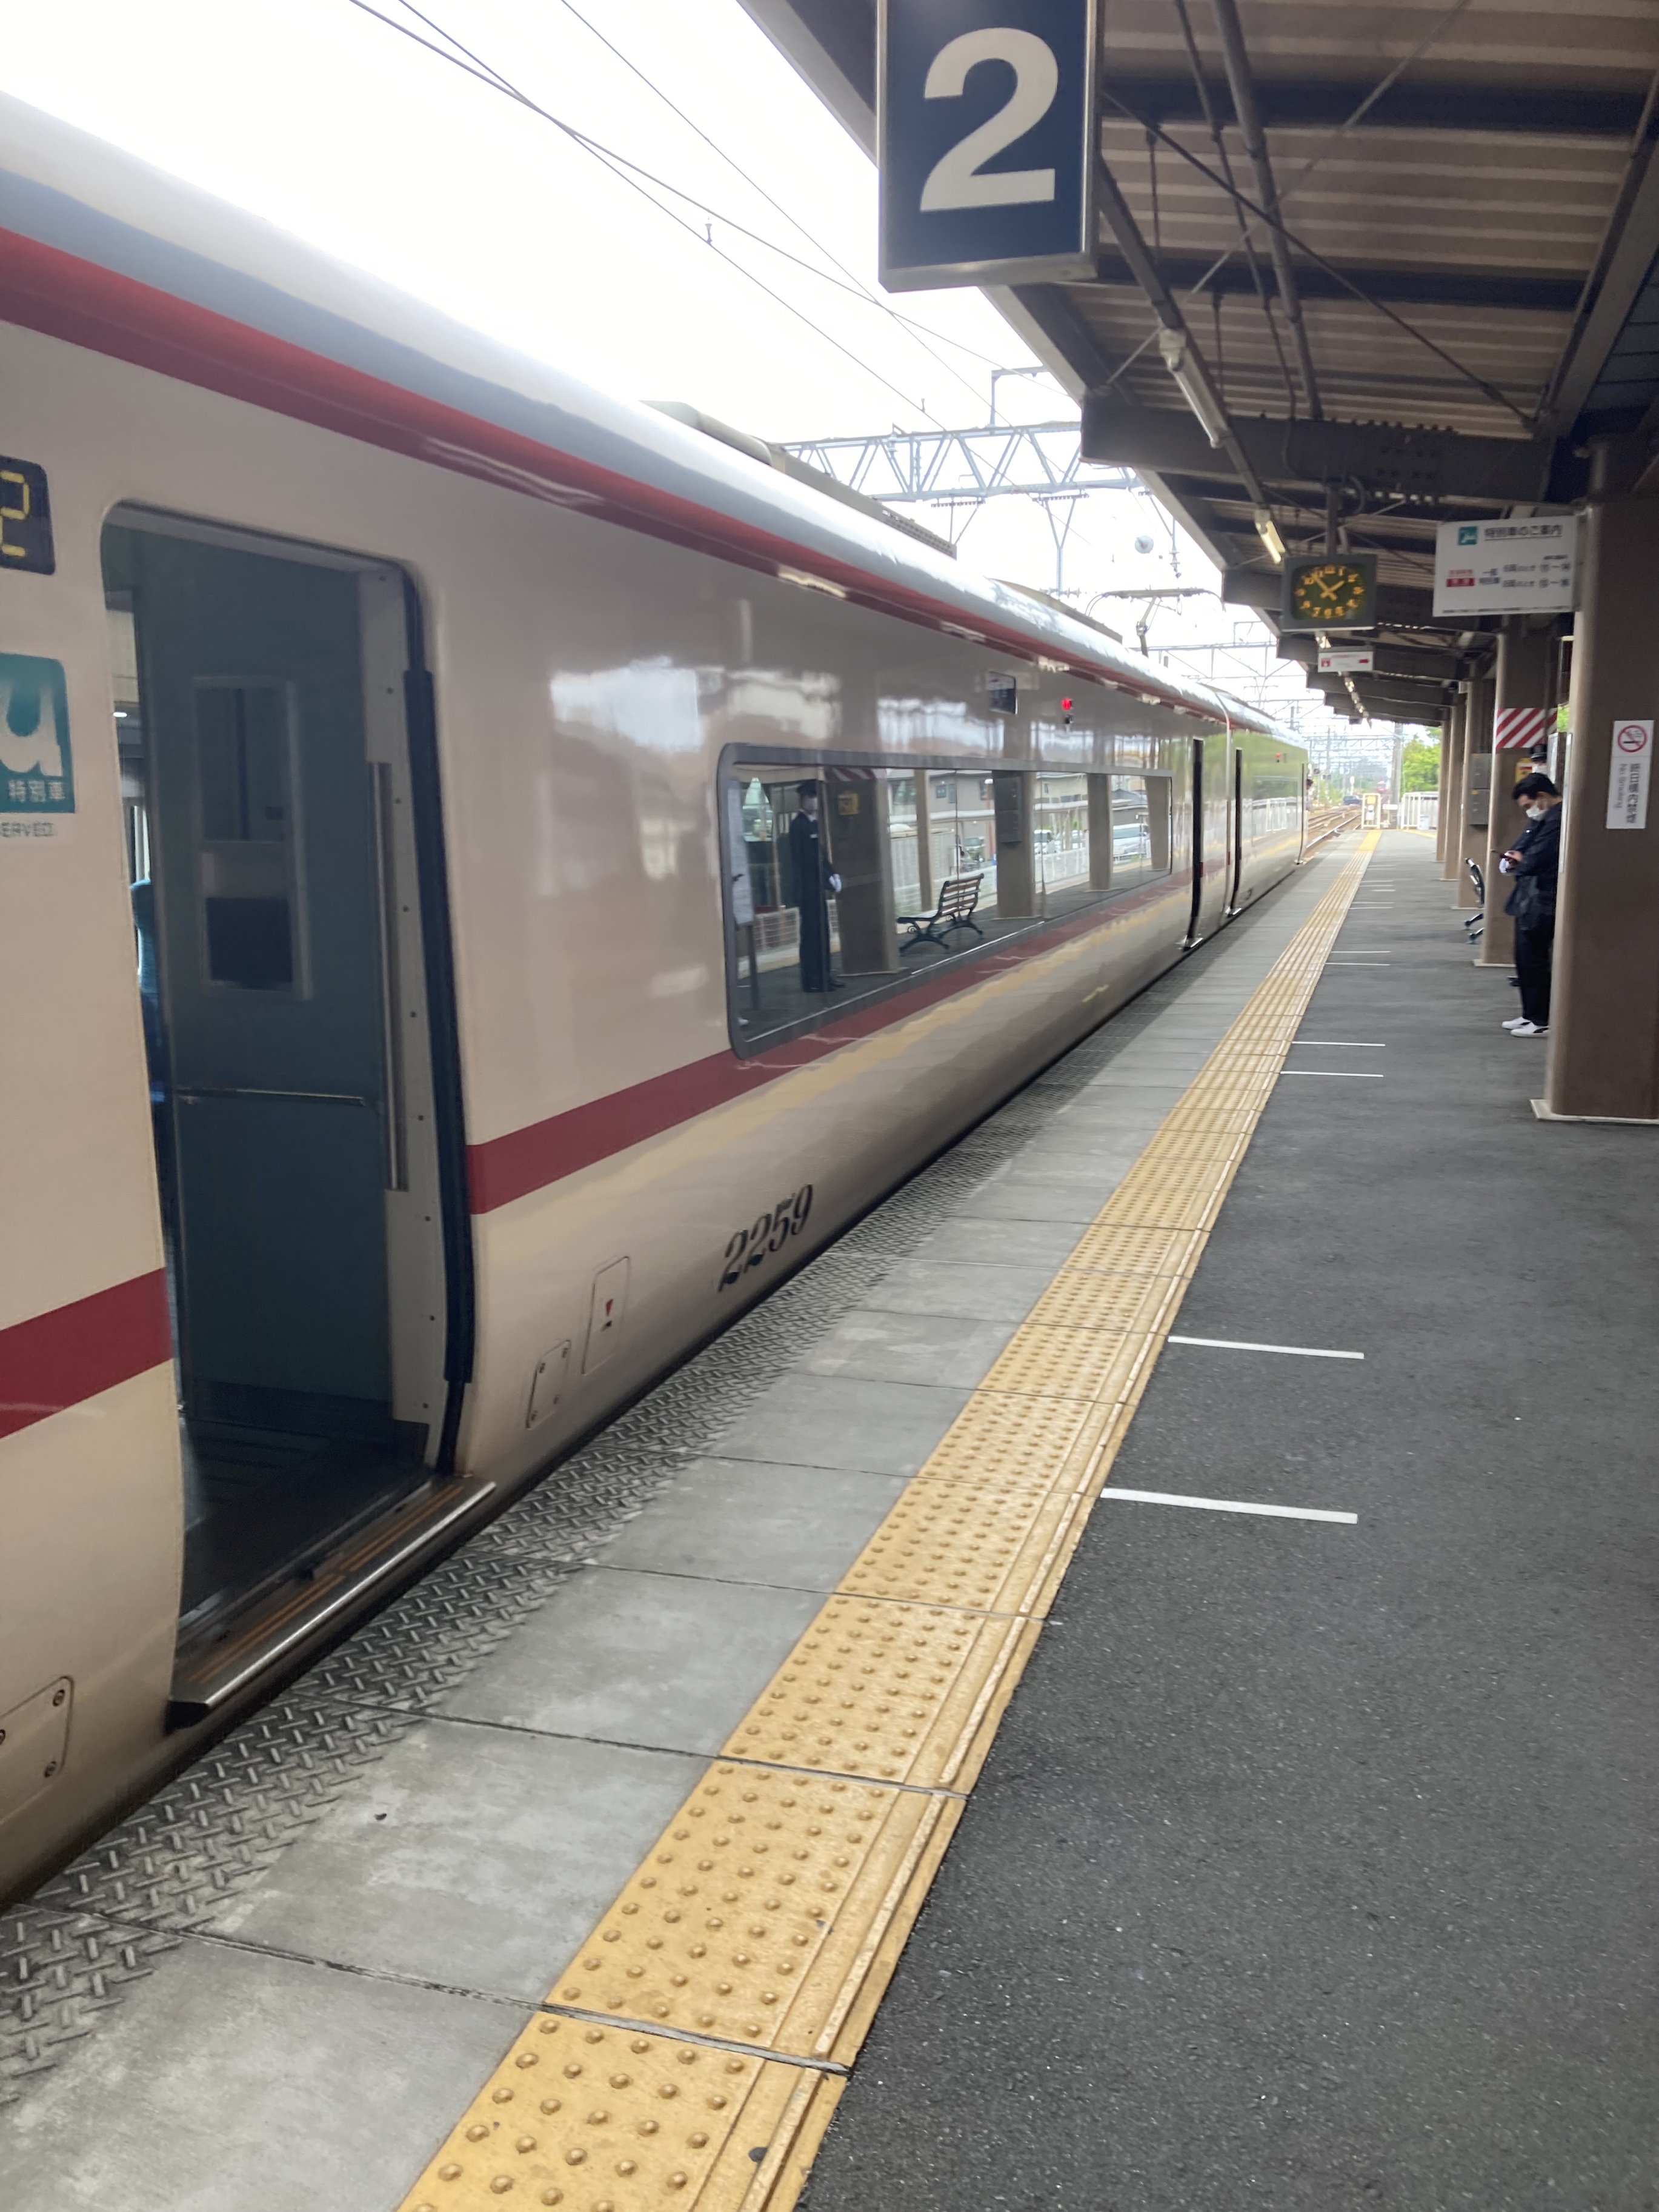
1280, 1857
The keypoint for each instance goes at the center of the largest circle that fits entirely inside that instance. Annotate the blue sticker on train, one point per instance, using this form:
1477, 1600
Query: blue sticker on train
37, 773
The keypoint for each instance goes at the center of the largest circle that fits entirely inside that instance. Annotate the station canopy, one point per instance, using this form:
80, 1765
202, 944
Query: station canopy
1409, 253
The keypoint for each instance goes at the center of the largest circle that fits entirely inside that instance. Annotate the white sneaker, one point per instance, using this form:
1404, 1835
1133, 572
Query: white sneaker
1529, 1028
1519, 1023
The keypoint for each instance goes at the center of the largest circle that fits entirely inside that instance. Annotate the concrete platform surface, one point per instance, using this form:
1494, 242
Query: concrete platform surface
282, 1983
1313, 1867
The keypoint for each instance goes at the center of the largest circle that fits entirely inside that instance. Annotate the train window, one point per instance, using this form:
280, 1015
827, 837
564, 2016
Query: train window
848, 883
1139, 829
243, 783
1061, 835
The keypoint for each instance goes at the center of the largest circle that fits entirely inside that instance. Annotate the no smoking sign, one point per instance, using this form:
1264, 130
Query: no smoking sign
1627, 775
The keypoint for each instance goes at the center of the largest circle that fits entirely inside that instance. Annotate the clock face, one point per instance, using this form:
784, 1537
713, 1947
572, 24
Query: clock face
1329, 590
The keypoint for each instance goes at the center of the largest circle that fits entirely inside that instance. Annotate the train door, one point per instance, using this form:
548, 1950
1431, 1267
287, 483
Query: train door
1194, 920
1235, 811
284, 1016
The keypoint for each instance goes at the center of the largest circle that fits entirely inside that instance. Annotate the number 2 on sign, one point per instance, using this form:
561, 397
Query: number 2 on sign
959, 179
769, 1232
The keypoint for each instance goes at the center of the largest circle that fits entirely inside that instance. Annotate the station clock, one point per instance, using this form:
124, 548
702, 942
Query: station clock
1330, 590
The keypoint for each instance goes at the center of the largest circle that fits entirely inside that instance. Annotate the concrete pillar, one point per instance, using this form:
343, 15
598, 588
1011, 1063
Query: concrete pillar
1443, 807
1604, 1021
1100, 833
861, 853
1013, 798
1456, 726
924, 840
1476, 786
1525, 663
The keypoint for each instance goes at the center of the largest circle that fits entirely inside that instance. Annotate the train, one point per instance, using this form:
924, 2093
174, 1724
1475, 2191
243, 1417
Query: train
492, 877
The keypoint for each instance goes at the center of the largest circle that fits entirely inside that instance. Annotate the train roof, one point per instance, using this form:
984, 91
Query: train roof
107, 251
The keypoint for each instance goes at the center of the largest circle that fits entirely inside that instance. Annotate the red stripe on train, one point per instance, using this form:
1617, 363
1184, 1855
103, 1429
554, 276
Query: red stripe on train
59, 1358
63, 297
502, 1169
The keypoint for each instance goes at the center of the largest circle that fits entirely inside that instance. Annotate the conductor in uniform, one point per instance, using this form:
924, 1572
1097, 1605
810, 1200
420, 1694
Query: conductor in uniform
814, 881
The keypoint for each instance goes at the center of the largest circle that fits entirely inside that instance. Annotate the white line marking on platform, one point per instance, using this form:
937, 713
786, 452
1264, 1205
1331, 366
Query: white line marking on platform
1344, 960
1235, 1344
1341, 1044
1339, 1074
1229, 1505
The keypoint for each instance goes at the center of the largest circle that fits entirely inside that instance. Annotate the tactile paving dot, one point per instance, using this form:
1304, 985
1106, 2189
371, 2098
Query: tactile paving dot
606, 2119
755, 1914
889, 1691
945, 1545
1050, 1360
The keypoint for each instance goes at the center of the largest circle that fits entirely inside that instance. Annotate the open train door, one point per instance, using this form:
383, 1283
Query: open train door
277, 905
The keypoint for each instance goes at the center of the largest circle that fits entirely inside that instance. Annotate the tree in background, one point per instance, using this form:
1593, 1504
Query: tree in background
1419, 765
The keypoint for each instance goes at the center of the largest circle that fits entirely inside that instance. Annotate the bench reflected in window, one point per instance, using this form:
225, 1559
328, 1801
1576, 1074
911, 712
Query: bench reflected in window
846, 883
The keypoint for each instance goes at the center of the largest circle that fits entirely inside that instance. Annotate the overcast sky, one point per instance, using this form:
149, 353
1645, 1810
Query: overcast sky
328, 122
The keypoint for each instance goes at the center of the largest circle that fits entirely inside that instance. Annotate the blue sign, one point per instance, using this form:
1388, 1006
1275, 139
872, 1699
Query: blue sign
987, 139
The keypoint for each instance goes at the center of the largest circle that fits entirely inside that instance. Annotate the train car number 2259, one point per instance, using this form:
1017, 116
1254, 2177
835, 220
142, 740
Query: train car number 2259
769, 1233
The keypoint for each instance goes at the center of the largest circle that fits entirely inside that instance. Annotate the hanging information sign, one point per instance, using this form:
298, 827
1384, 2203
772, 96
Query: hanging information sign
987, 135
1627, 775
1526, 567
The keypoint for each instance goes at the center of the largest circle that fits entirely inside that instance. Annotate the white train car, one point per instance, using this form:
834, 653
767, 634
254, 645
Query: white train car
465, 846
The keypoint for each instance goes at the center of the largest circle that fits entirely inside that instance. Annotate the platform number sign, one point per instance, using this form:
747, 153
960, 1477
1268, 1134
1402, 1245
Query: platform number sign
24, 520
986, 132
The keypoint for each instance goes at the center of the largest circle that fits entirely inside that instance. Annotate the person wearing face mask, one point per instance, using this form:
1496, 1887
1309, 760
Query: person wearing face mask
1535, 863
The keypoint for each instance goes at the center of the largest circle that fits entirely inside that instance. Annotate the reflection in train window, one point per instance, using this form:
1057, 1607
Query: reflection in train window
244, 776
1140, 829
846, 883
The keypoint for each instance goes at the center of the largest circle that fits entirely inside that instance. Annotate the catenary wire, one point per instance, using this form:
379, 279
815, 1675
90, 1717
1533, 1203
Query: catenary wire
631, 173
918, 331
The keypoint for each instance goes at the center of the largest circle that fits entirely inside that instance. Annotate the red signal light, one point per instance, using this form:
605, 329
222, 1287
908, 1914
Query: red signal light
1065, 706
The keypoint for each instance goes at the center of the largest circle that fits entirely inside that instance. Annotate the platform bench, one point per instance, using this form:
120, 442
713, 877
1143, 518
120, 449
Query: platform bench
958, 895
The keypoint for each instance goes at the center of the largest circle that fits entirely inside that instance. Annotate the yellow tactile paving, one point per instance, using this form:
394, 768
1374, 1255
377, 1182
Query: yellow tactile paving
882, 1689
947, 1544
773, 1908
1178, 1197
757, 1916
603, 2119
1115, 1248
1001, 1440
1087, 1297
1055, 1359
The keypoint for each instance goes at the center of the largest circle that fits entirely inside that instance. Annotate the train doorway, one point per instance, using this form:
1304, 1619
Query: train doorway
1195, 919
276, 910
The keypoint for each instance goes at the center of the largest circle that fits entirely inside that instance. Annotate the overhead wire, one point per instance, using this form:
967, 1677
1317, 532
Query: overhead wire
1217, 138
1384, 84
621, 166
918, 331
473, 64
1331, 269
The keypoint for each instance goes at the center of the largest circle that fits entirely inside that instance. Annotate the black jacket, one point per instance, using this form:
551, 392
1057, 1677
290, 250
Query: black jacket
1532, 899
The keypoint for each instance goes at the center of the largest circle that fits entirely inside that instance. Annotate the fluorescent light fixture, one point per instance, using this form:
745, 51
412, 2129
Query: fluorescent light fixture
1268, 531
1195, 386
